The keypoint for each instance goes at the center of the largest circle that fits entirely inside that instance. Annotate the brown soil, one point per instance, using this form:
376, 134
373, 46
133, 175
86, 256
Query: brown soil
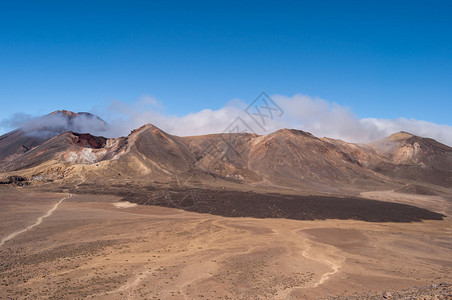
91, 248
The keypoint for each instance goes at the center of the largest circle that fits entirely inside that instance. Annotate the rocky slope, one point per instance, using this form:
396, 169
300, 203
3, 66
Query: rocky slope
288, 158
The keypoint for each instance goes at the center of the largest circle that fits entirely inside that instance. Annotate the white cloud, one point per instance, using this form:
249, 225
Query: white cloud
385, 127
127, 117
54, 124
314, 115
323, 118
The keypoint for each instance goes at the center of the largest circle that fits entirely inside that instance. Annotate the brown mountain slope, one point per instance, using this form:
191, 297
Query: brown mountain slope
288, 158
407, 156
69, 147
167, 152
297, 155
224, 155
405, 148
274, 175
17, 142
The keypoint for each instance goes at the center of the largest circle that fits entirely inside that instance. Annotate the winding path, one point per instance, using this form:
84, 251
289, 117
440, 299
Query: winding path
331, 264
38, 221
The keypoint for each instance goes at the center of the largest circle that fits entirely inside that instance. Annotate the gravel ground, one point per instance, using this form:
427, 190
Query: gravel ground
438, 291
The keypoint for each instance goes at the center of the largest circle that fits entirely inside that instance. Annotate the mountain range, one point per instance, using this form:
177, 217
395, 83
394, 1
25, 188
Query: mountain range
150, 164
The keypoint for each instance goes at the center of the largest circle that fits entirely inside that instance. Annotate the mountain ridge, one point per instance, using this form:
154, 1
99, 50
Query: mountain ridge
289, 158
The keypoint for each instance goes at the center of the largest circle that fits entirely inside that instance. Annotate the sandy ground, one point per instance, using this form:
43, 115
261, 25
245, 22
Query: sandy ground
97, 247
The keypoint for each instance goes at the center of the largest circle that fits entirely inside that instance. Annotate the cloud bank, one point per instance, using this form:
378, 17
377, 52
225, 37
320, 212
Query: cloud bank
56, 123
314, 115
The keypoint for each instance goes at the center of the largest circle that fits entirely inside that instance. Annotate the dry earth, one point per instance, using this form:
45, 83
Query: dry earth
93, 246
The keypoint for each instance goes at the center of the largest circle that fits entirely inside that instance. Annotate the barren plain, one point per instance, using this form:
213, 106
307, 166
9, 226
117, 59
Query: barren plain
96, 246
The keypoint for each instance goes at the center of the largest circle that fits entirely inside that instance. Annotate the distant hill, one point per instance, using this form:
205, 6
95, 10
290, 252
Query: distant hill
286, 157
288, 173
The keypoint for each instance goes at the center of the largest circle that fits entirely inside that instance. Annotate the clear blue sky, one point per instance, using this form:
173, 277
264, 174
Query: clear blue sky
383, 59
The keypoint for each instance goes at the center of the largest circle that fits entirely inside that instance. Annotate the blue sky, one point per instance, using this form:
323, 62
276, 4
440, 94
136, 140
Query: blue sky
381, 59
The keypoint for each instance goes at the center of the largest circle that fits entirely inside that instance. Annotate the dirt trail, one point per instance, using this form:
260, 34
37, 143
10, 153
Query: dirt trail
38, 221
128, 286
334, 266
327, 275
